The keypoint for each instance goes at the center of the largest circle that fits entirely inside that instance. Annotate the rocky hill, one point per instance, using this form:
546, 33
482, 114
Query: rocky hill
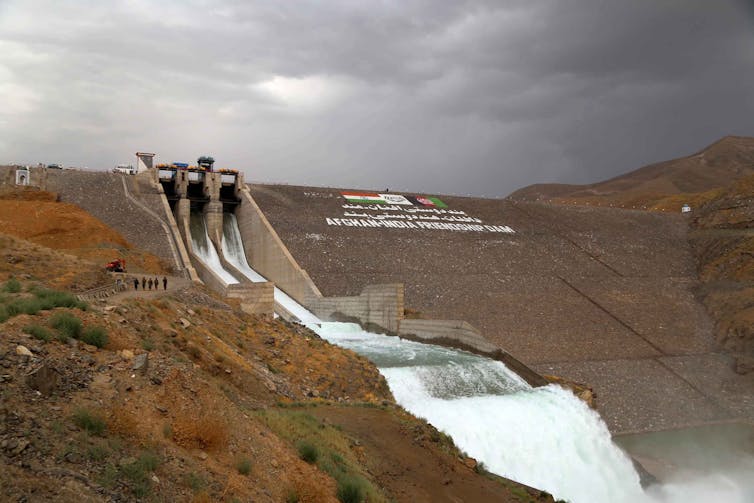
655, 186
180, 396
722, 237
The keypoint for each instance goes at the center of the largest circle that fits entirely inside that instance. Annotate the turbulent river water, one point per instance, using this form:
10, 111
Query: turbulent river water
544, 437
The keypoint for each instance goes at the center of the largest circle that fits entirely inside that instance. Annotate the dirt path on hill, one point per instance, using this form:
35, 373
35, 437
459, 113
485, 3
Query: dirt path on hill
174, 283
410, 473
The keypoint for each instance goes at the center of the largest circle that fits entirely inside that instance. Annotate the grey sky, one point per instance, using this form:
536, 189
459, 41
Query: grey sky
464, 97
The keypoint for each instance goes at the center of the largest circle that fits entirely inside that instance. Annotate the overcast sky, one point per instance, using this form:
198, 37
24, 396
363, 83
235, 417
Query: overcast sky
463, 97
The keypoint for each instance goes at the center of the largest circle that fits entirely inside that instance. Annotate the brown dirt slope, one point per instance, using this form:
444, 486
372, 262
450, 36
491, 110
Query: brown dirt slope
721, 163
722, 237
36, 216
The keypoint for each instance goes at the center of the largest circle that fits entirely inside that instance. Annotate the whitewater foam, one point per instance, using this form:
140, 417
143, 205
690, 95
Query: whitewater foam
234, 252
205, 250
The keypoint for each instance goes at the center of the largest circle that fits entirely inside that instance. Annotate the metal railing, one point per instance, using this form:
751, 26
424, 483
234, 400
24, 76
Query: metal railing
102, 292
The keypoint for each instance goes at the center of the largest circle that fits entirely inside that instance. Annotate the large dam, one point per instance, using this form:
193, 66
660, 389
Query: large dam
592, 295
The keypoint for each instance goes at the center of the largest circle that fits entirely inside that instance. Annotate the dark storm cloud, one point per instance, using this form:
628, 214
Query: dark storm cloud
474, 97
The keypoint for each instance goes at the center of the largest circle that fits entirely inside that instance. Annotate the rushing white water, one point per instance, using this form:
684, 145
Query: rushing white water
205, 250
234, 253
543, 437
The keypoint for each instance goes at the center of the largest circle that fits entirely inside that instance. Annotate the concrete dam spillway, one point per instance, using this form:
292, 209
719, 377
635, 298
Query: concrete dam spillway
205, 249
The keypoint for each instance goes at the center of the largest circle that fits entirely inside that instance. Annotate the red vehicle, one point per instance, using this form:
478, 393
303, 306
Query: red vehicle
117, 265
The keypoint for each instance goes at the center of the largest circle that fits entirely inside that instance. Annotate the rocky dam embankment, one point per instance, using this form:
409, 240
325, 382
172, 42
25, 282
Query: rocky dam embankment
596, 295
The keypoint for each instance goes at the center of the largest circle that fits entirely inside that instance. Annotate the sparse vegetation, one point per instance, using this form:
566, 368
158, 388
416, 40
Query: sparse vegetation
12, 286
88, 421
38, 332
308, 452
350, 490
195, 482
328, 447
96, 336
244, 466
137, 473
68, 325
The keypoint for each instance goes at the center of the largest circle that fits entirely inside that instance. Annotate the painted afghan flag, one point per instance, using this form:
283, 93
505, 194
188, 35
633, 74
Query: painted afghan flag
363, 197
438, 202
432, 202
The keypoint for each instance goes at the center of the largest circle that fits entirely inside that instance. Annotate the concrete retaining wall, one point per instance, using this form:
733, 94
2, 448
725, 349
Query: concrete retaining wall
378, 307
267, 254
256, 298
161, 201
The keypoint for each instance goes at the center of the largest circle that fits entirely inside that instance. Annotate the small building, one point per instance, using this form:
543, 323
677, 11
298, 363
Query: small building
22, 176
144, 161
685, 208
127, 169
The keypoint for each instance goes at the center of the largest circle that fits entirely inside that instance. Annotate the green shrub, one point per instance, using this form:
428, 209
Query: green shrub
244, 466
308, 452
67, 324
88, 421
27, 306
3, 313
350, 490
96, 336
53, 298
292, 497
97, 453
12, 286
195, 482
38, 332
138, 473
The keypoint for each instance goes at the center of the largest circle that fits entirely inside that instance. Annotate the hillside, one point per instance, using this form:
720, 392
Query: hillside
183, 397
722, 237
39, 217
714, 167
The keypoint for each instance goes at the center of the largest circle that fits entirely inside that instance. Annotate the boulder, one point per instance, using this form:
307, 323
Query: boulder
43, 379
141, 363
23, 351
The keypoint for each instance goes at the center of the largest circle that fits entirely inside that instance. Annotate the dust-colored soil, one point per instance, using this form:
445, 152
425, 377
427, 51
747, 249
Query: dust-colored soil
36, 216
411, 460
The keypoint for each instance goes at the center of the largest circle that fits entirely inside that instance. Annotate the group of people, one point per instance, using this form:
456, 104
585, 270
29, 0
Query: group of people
149, 283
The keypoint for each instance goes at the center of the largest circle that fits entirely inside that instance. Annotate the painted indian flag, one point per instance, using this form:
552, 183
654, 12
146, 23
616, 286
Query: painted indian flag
363, 197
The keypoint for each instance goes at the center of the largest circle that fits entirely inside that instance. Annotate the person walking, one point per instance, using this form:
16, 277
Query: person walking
156, 283
143, 283
136, 283
149, 283
164, 282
